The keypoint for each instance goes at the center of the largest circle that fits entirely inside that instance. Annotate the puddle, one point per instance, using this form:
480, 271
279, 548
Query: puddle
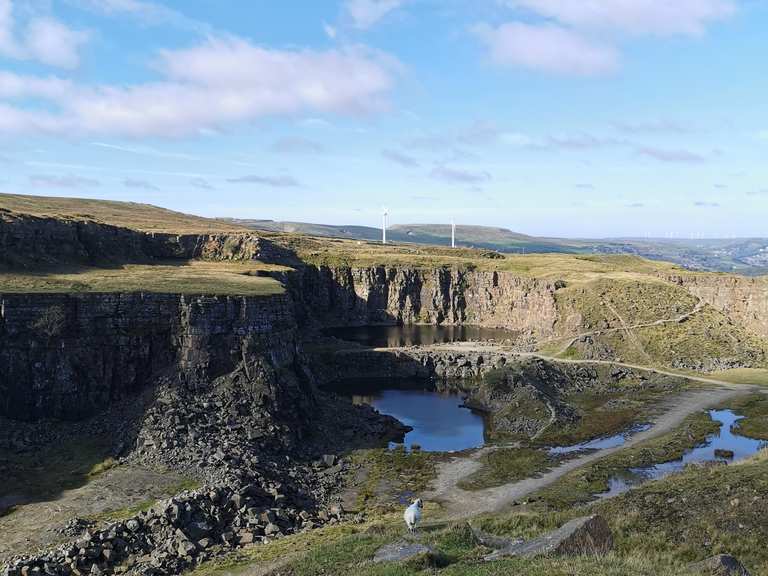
440, 423
416, 335
725, 440
600, 443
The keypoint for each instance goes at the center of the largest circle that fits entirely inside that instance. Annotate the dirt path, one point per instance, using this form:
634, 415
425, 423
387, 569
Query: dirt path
460, 503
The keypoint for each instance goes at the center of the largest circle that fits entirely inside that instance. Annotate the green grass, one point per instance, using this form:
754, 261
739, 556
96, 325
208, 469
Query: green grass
391, 474
754, 376
755, 411
187, 277
505, 465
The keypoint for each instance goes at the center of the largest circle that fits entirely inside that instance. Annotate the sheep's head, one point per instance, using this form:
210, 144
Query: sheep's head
419, 503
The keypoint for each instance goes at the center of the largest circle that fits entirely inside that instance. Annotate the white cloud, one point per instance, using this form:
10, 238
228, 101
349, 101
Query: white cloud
218, 83
45, 181
148, 13
330, 31
366, 13
459, 175
662, 17
271, 181
672, 156
44, 39
547, 48
51, 42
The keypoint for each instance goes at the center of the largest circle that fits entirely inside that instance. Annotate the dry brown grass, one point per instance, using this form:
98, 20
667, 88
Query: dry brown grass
192, 277
124, 214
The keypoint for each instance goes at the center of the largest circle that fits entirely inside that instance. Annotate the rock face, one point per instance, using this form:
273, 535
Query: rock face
342, 296
720, 565
589, 535
743, 299
67, 355
32, 241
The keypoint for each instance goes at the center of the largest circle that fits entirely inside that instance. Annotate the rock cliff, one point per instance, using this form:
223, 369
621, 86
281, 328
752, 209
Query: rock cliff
69, 355
339, 296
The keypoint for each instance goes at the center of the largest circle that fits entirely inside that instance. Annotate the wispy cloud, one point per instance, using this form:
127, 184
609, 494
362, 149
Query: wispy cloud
637, 17
297, 145
546, 48
584, 186
652, 127
271, 181
139, 184
672, 156
147, 13
201, 183
636, 205
459, 175
366, 13
144, 151
706, 204
46, 181
400, 158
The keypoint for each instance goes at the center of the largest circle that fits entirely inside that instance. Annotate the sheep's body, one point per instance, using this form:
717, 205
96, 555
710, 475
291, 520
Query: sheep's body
412, 515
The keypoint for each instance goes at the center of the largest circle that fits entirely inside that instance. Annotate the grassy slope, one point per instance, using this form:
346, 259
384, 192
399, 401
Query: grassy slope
194, 277
124, 214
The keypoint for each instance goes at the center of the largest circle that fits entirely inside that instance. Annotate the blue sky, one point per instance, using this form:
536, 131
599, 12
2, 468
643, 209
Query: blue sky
550, 117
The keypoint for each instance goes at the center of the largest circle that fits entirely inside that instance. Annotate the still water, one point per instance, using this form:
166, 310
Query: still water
416, 335
726, 439
440, 423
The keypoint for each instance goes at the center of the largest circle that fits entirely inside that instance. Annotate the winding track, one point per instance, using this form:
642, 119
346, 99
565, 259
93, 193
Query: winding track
460, 503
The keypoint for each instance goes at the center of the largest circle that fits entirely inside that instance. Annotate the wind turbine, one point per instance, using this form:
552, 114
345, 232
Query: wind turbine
453, 233
384, 216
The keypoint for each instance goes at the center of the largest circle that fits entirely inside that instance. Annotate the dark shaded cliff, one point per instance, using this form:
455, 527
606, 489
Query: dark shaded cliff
69, 355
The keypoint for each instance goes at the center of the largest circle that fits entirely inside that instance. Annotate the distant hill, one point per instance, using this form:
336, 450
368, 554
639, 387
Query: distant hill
743, 256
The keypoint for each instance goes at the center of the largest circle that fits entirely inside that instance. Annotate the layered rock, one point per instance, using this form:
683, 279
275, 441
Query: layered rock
344, 296
69, 355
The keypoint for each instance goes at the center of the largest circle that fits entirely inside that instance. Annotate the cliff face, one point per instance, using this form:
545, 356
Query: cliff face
67, 355
27, 241
744, 300
341, 296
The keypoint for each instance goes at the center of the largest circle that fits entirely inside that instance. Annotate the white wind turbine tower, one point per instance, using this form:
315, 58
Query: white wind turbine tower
384, 216
453, 233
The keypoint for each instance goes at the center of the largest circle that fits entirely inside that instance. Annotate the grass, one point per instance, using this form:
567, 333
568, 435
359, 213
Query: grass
754, 408
187, 277
697, 513
505, 465
392, 475
142, 217
754, 376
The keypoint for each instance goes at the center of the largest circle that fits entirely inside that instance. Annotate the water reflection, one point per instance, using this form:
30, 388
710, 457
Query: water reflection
440, 423
725, 440
601, 443
416, 335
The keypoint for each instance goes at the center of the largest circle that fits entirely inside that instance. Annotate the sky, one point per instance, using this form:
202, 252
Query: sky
588, 118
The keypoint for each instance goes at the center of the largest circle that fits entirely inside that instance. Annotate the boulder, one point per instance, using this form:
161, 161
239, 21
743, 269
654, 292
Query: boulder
720, 565
403, 551
589, 535
724, 454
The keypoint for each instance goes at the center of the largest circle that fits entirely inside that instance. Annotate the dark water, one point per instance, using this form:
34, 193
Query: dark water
439, 422
725, 439
416, 335
600, 443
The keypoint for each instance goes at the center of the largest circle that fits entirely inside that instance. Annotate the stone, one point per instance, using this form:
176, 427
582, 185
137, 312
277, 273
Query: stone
589, 535
724, 454
329, 460
720, 565
404, 551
